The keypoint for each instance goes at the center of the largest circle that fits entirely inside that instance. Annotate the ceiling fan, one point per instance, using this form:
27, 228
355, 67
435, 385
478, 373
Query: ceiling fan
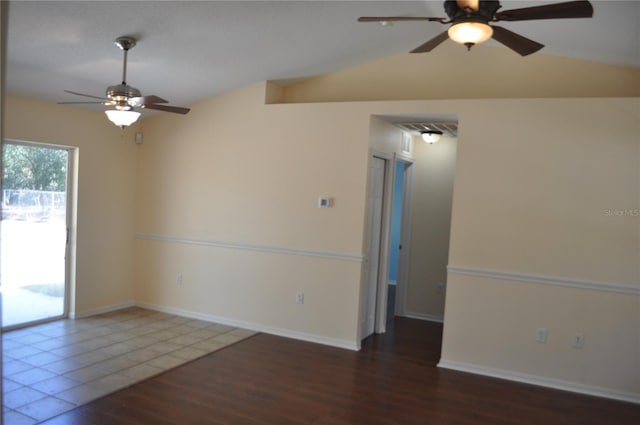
125, 98
470, 20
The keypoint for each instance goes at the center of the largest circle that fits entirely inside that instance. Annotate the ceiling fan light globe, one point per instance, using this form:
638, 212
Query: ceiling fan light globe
122, 118
431, 136
470, 33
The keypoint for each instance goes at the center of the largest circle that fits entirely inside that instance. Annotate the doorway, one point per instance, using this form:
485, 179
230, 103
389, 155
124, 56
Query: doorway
384, 173
377, 171
395, 278
34, 234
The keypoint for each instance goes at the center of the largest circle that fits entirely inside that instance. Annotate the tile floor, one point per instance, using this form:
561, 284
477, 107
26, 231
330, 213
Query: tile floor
51, 368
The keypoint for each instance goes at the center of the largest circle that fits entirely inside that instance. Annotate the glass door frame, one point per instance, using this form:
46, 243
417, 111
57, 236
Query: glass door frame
70, 222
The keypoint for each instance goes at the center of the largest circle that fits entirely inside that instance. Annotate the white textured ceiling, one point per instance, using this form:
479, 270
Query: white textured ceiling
191, 50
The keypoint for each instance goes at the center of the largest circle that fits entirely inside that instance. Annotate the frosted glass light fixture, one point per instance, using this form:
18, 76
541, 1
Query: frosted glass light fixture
470, 33
122, 118
431, 136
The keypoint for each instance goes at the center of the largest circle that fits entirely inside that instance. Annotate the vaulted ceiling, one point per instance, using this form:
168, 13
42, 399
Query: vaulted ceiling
191, 50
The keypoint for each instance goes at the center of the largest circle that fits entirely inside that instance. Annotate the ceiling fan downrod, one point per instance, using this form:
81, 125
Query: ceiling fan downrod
121, 93
125, 43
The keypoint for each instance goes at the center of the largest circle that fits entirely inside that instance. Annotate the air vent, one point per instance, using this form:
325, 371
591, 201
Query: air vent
448, 128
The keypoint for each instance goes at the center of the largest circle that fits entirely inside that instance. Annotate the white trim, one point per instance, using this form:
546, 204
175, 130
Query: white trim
250, 247
541, 381
303, 336
401, 156
426, 317
405, 234
71, 248
382, 290
101, 310
380, 154
620, 288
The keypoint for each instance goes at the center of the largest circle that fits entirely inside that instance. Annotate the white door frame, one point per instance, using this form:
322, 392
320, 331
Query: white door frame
71, 220
368, 315
405, 235
385, 239
385, 251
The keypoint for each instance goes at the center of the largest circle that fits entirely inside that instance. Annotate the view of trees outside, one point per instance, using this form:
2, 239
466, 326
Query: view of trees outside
34, 168
33, 232
34, 181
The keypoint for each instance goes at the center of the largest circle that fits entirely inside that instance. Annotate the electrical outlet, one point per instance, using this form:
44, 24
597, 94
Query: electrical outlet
578, 341
179, 279
541, 335
299, 297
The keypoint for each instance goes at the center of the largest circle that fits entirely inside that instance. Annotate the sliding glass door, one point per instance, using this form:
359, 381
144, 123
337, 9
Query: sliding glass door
34, 233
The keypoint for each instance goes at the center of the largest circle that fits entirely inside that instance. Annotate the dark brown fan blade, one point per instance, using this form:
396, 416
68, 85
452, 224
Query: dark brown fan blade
145, 100
431, 44
166, 108
516, 42
399, 19
85, 95
572, 9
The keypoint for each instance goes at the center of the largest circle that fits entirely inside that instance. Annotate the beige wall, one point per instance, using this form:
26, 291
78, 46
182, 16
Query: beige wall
534, 244
227, 197
451, 72
106, 195
433, 175
386, 138
237, 170
241, 180
490, 328
534, 182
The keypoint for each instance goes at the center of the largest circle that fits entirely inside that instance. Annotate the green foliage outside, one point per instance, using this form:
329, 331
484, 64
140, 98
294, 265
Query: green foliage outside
34, 168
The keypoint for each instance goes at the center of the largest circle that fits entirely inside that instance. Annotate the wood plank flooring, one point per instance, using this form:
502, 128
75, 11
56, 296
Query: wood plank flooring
393, 380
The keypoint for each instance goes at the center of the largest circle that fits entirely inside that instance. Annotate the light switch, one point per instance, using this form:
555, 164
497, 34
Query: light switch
325, 202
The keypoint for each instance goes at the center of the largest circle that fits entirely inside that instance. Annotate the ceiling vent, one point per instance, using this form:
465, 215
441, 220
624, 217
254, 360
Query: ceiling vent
448, 128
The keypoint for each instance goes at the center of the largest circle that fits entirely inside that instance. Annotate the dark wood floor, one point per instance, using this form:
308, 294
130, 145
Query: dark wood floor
393, 380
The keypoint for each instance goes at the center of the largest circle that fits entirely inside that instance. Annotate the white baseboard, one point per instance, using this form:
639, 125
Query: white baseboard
541, 381
427, 317
257, 327
101, 310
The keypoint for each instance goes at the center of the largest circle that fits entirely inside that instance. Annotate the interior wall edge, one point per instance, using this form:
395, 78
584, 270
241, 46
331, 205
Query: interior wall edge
557, 384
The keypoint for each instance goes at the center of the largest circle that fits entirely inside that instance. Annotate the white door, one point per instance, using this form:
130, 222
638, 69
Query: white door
376, 192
